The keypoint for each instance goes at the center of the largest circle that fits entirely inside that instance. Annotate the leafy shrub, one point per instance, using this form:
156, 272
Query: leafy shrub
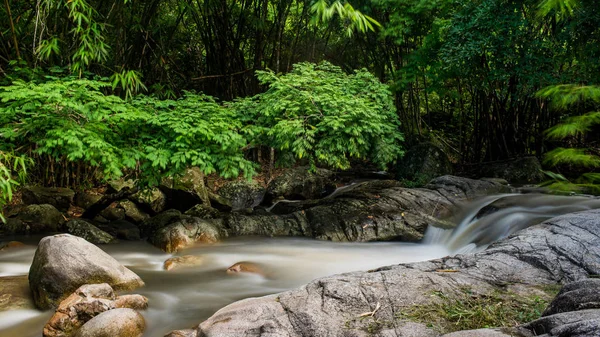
323, 114
73, 120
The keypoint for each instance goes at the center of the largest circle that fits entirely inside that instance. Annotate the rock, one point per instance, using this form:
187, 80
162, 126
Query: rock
113, 212
89, 232
187, 190
580, 295
186, 261
479, 333
114, 323
11, 245
574, 323
15, 293
62, 263
565, 248
203, 211
35, 219
137, 302
299, 184
183, 333
151, 200
150, 226
423, 162
186, 232
132, 212
242, 194
86, 199
61, 198
121, 229
525, 170
246, 267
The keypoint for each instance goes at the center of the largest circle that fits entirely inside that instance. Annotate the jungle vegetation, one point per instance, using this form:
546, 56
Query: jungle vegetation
95, 89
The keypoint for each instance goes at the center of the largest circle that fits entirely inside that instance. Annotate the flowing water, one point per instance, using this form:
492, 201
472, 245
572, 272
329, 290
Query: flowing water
183, 298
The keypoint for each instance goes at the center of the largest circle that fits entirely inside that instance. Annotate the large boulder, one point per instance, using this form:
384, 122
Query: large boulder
61, 198
301, 183
84, 304
242, 194
562, 249
423, 162
89, 232
33, 219
114, 323
63, 262
526, 170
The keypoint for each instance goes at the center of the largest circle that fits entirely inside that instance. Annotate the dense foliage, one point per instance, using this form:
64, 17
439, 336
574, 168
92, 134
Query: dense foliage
316, 112
320, 113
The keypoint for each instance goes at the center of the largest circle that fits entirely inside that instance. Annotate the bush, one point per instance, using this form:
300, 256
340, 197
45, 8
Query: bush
320, 113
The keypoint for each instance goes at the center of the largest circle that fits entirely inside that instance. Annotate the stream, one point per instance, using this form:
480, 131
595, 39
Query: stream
183, 298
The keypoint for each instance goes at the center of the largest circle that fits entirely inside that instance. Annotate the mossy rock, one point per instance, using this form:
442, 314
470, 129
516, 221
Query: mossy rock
242, 194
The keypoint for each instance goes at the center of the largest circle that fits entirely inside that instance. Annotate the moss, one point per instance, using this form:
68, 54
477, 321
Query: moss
467, 311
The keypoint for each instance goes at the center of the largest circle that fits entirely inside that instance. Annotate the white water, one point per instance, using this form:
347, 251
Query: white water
183, 298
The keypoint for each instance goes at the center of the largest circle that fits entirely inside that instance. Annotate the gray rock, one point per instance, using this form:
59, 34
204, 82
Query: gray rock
62, 263
560, 324
565, 248
61, 198
479, 333
35, 219
113, 212
299, 184
89, 232
525, 170
114, 323
151, 200
580, 295
423, 162
242, 194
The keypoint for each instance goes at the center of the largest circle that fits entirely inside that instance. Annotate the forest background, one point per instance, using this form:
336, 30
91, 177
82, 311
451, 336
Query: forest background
105, 88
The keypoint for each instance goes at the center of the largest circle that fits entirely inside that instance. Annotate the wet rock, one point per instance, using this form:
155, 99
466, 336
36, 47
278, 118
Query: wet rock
242, 194
183, 333
180, 262
87, 302
299, 184
62, 263
525, 170
150, 226
86, 199
479, 333
203, 211
246, 267
89, 232
121, 229
35, 219
11, 245
61, 198
565, 248
114, 323
186, 232
423, 162
187, 190
15, 293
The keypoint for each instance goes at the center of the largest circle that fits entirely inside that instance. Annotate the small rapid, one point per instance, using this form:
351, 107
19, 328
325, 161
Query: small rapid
183, 298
